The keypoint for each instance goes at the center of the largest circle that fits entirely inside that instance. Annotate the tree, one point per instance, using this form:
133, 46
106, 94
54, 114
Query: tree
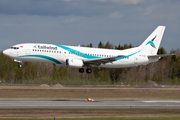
126, 46
118, 47
130, 46
100, 45
18, 75
90, 45
162, 51
55, 73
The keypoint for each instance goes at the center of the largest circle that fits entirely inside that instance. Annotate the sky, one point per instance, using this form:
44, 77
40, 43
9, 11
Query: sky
81, 22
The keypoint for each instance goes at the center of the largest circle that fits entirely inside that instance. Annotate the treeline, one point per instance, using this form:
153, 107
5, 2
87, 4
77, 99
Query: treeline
165, 71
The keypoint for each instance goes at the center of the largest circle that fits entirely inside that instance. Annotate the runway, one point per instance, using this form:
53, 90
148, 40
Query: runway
83, 104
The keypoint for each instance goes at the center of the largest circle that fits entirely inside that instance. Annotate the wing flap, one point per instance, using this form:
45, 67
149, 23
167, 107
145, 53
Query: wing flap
99, 61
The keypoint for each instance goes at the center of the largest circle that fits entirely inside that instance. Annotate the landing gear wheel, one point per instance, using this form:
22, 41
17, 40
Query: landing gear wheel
88, 70
20, 65
81, 70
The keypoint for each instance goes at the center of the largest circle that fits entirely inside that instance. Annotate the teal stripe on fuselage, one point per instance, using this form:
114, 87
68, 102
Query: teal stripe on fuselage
90, 56
78, 53
120, 58
44, 57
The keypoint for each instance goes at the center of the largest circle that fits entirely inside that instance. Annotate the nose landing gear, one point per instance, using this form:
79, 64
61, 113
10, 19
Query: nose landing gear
20, 65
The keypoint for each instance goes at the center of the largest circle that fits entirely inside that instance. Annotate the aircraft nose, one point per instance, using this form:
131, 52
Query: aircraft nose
6, 52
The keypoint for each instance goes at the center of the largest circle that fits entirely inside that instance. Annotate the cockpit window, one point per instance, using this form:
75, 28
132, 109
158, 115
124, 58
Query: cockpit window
14, 48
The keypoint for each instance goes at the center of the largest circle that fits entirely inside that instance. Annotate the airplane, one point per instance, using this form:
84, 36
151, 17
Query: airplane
80, 57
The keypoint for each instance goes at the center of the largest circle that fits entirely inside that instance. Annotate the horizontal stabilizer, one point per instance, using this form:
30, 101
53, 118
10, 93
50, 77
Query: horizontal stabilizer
160, 55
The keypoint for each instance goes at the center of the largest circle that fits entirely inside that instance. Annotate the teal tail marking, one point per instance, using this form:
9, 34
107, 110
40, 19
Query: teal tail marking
80, 54
44, 57
151, 43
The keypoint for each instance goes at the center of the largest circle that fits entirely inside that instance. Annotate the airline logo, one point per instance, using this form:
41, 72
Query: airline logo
152, 42
47, 47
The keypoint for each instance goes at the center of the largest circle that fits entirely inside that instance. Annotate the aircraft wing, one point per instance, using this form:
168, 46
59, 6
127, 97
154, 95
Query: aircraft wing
99, 61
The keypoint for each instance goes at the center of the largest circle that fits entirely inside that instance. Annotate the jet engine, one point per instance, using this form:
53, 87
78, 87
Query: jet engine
74, 63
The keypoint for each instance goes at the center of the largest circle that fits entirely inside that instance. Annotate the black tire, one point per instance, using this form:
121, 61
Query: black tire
81, 70
20, 65
88, 70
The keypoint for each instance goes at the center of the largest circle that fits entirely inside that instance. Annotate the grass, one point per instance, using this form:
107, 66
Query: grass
82, 93
90, 114
110, 118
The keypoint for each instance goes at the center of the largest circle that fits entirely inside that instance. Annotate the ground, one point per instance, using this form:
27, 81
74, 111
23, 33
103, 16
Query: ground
35, 92
86, 113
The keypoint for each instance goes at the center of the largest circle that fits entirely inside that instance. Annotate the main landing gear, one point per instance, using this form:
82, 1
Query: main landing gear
88, 70
81, 70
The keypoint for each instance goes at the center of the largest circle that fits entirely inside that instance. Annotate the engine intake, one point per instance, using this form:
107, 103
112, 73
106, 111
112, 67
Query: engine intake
74, 63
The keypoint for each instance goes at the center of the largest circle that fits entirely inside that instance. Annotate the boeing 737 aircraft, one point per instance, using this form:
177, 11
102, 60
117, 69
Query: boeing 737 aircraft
80, 57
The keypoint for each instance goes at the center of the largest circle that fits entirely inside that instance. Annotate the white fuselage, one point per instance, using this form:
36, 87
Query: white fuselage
58, 54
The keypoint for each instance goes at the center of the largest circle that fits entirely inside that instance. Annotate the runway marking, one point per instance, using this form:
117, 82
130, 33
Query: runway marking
155, 101
175, 104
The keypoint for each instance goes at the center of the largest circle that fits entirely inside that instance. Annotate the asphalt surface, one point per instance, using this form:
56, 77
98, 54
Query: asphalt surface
82, 103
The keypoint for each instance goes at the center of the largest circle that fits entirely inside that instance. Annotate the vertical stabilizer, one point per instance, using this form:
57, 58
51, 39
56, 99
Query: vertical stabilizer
151, 44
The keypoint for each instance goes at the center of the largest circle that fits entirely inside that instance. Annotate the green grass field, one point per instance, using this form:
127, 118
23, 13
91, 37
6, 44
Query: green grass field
81, 93
110, 118
89, 114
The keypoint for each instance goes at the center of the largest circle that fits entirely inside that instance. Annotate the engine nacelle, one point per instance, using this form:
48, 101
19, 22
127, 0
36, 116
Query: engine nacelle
75, 63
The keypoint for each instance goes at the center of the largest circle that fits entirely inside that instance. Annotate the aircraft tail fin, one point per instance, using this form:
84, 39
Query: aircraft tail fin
151, 44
